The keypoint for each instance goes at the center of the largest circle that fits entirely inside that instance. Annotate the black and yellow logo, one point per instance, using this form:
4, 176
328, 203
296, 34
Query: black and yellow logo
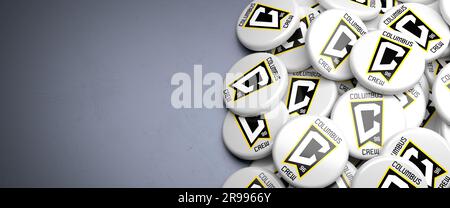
411, 24
386, 5
302, 91
362, 2
340, 44
256, 183
312, 148
387, 58
266, 17
440, 64
255, 79
431, 110
392, 179
253, 129
368, 121
405, 99
297, 40
430, 168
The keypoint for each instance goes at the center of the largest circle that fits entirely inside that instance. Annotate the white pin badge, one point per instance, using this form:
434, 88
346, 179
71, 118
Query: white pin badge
387, 62
389, 172
421, 23
345, 180
364, 9
255, 85
368, 120
441, 94
266, 24
310, 152
253, 177
427, 150
251, 138
293, 52
433, 68
309, 93
330, 40
414, 103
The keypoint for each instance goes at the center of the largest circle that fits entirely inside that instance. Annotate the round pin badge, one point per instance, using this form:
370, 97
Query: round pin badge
266, 24
251, 138
387, 62
255, 85
386, 5
330, 40
345, 86
389, 172
441, 94
309, 93
310, 152
433, 68
293, 52
427, 150
345, 180
368, 120
414, 104
445, 131
432, 120
423, 83
421, 23
445, 10
253, 177
364, 9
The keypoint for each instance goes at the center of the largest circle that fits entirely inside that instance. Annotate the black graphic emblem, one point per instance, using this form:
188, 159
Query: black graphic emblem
394, 180
388, 58
301, 94
368, 122
252, 81
266, 17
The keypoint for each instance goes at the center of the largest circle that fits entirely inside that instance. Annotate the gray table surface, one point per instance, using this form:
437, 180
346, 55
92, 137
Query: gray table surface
85, 92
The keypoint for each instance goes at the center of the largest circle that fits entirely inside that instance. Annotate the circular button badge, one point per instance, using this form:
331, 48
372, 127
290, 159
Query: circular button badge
387, 62
414, 103
389, 172
441, 94
434, 68
432, 120
330, 40
421, 23
310, 152
293, 52
345, 180
427, 150
445, 131
445, 10
310, 93
368, 120
266, 24
255, 85
364, 9
251, 138
253, 177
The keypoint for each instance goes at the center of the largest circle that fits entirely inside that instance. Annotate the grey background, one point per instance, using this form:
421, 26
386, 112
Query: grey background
85, 92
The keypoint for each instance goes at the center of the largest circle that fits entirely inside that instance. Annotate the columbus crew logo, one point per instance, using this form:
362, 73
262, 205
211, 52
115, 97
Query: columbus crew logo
388, 58
256, 183
431, 110
410, 24
430, 168
387, 4
440, 64
253, 129
295, 41
252, 81
340, 44
362, 2
265, 17
311, 149
301, 94
394, 180
405, 99
368, 122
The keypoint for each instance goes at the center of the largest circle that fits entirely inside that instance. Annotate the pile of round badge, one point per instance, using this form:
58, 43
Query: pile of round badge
341, 94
